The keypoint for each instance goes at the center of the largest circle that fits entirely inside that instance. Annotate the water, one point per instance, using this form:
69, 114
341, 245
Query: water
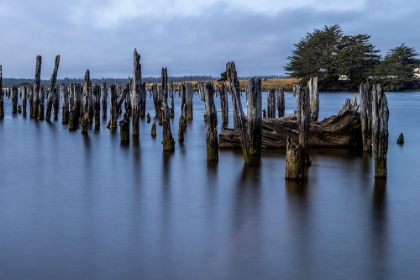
85, 207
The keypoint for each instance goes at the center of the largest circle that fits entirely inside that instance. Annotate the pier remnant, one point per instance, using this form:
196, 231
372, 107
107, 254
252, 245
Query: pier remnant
280, 101
271, 103
52, 98
380, 116
366, 116
211, 111
37, 88
314, 98
224, 102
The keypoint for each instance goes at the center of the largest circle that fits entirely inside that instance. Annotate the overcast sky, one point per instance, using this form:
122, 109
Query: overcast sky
190, 37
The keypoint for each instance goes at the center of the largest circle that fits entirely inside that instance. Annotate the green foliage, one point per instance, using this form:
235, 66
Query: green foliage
396, 71
327, 54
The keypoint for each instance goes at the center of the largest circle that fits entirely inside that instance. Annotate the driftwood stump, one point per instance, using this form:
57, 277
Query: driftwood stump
271, 103
211, 111
280, 101
224, 103
366, 116
380, 116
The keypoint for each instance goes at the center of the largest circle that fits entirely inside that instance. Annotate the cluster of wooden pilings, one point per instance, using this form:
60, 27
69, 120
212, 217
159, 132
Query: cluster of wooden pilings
81, 106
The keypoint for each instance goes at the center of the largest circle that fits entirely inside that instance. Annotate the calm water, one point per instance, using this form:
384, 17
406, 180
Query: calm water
85, 207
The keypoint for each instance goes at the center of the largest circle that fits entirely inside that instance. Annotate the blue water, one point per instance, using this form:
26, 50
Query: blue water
87, 207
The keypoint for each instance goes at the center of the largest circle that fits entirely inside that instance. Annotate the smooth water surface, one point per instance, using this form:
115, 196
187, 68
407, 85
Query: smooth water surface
86, 207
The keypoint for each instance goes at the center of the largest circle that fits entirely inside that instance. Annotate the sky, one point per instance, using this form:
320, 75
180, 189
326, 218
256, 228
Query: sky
189, 37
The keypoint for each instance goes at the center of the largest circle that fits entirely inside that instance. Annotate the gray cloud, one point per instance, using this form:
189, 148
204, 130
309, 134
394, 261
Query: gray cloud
188, 45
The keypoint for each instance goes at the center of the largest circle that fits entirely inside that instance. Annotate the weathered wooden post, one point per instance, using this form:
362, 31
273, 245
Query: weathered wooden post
1, 93
24, 96
153, 132
14, 99
74, 108
168, 141
135, 93
254, 109
224, 103
366, 116
211, 111
125, 128
65, 104
37, 88
156, 101
85, 102
172, 89
112, 124
296, 92
238, 111
96, 99
271, 103
189, 101
148, 118
182, 99
280, 101
380, 116
304, 120
314, 98
52, 94
142, 100
181, 128
295, 166
104, 98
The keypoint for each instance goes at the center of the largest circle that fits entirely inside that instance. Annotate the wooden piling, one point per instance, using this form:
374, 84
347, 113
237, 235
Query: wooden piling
156, 101
104, 98
294, 161
380, 116
37, 88
24, 97
85, 114
65, 104
135, 94
125, 128
14, 99
254, 111
189, 101
304, 120
148, 117
41, 105
314, 98
280, 101
224, 103
168, 141
112, 124
96, 99
52, 97
271, 103
172, 90
366, 116
211, 111
153, 132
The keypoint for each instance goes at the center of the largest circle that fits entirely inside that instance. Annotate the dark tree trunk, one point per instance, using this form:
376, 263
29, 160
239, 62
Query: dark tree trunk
380, 116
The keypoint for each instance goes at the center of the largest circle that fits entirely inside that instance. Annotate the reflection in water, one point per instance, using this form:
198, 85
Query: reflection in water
299, 220
379, 229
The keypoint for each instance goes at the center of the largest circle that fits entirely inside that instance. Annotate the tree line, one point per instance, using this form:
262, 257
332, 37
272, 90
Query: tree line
342, 62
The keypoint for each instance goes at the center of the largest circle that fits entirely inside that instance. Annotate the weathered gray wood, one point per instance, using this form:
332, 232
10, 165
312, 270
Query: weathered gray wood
181, 129
172, 89
254, 110
96, 99
349, 105
314, 98
343, 130
52, 97
142, 112
64, 104
366, 116
37, 88
211, 111
41, 109
224, 105
380, 116
156, 100
295, 167
14, 96
112, 123
86, 101
104, 98
168, 141
304, 120
189, 101
1, 93
135, 94
24, 97
74, 107
125, 128
182, 99
238, 111
271, 103
280, 101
